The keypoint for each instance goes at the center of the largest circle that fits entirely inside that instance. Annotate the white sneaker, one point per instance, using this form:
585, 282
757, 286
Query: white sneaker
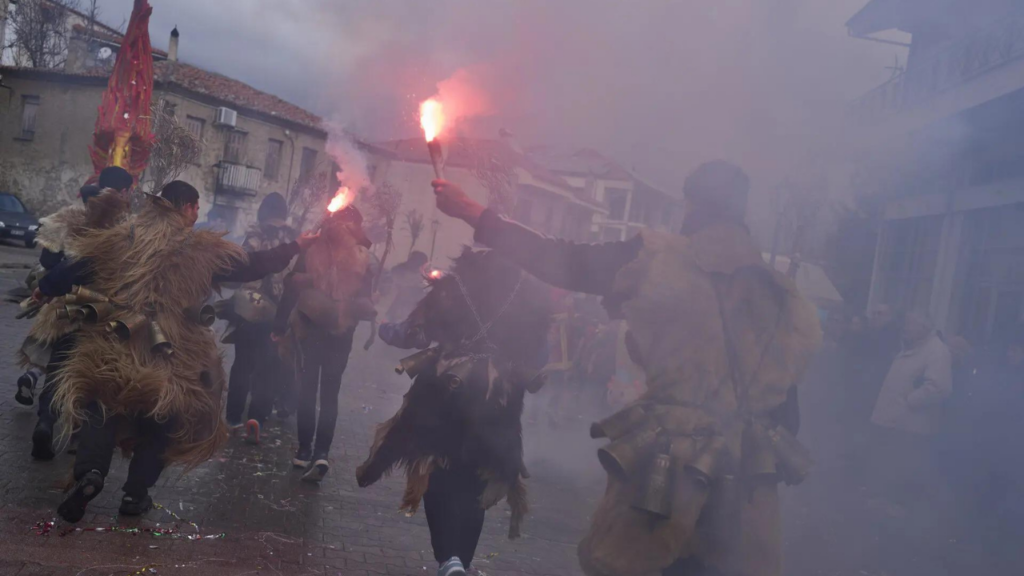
317, 471
453, 567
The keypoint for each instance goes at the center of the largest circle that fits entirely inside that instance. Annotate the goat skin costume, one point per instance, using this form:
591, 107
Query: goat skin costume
154, 266
722, 339
58, 233
467, 396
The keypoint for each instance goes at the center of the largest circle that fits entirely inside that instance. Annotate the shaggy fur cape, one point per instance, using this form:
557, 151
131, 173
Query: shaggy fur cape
684, 299
156, 265
479, 421
58, 233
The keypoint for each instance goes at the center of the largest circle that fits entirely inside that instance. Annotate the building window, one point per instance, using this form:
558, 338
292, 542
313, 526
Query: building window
637, 209
992, 300
907, 261
273, 163
617, 199
195, 126
234, 147
307, 164
29, 108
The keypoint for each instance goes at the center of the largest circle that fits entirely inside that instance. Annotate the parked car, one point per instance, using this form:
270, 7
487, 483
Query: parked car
16, 222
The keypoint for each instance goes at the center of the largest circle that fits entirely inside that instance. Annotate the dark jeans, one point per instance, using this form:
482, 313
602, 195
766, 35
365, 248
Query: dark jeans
98, 440
454, 515
321, 365
59, 353
255, 370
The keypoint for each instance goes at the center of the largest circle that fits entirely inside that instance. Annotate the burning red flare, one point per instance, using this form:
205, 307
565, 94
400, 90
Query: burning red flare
341, 199
431, 118
435, 274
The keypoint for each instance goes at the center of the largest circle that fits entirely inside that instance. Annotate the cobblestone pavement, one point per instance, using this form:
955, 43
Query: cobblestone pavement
275, 524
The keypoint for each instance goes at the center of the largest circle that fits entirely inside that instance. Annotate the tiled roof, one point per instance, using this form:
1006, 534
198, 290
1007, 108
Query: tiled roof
579, 161
588, 162
233, 93
464, 153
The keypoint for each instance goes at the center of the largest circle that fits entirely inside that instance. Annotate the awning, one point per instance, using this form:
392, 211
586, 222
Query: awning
878, 16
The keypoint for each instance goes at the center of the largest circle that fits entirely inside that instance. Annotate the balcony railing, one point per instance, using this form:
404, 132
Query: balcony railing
948, 66
238, 178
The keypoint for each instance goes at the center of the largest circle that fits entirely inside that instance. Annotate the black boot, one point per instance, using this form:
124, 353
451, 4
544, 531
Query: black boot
42, 441
73, 507
135, 505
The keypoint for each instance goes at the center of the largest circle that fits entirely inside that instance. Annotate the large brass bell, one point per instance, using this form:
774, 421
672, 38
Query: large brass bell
619, 424
83, 295
794, 459
72, 313
97, 312
655, 494
126, 327
415, 364
710, 460
158, 342
204, 315
620, 458
460, 373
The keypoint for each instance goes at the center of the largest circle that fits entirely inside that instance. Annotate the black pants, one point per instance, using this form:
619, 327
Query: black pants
255, 368
98, 440
454, 515
59, 353
321, 365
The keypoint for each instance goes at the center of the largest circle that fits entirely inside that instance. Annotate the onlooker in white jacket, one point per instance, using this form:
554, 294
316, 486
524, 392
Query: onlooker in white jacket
908, 412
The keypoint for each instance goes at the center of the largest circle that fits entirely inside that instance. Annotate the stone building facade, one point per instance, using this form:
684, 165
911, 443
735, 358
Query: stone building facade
254, 142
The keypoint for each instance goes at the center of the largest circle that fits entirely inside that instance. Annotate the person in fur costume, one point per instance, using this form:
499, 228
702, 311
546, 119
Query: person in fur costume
458, 433
145, 372
693, 464
326, 295
250, 311
51, 337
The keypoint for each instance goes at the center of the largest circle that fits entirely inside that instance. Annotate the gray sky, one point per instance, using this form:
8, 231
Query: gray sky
660, 84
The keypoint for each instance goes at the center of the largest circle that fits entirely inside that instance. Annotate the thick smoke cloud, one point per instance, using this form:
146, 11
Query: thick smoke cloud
660, 85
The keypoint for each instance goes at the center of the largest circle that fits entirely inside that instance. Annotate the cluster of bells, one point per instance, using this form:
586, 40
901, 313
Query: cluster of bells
705, 463
416, 364
90, 307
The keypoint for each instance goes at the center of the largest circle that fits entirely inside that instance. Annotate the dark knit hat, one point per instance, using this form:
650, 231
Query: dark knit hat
273, 207
720, 187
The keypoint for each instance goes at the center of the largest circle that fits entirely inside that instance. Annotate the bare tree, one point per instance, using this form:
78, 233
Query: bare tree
414, 224
496, 175
309, 198
175, 147
385, 203
39, 32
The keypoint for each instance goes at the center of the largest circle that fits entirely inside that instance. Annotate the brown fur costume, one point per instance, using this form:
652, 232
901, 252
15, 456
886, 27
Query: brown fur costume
479, 420
328, 279
156, 265
685, 299
58, 233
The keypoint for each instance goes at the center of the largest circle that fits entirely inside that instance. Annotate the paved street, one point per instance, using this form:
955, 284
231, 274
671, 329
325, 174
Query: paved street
274, 524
